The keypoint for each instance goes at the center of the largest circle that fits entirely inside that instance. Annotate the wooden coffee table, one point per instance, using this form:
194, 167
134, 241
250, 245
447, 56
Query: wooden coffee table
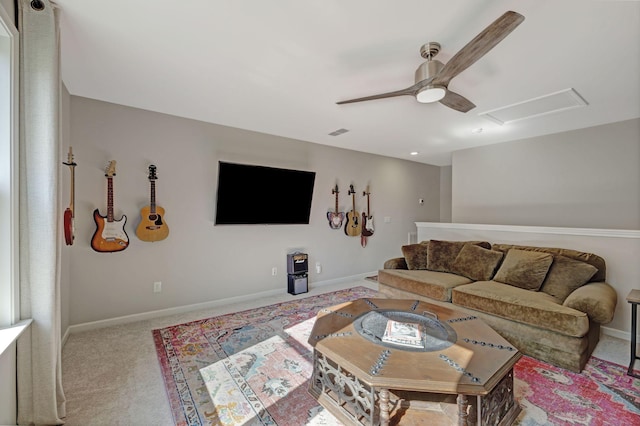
463, 375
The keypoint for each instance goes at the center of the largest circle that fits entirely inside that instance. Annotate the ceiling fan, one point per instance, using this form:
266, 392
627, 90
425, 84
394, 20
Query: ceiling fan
432, 78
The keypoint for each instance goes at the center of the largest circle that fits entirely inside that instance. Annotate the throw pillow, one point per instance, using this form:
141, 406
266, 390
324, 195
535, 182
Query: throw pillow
442, 254
566, 275
477, 263
415, 255
525, 269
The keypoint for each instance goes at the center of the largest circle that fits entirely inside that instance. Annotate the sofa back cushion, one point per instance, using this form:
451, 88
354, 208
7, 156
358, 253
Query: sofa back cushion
525, 269
590, 258
566, 275
416, 255
442, 254
477, 263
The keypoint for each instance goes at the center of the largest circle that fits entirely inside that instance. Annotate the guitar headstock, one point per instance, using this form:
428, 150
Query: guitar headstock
366, 192
351, 190
110, 171
70, 158
152, 172
335, 190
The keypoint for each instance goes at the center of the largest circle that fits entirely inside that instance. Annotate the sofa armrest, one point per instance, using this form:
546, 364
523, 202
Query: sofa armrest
396, 263
598, 300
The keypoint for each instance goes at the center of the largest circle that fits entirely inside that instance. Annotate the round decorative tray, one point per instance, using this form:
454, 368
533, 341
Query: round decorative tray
405, 330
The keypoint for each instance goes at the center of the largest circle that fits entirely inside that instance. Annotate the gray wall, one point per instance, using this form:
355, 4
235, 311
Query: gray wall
587, 178
446, 174
200, 262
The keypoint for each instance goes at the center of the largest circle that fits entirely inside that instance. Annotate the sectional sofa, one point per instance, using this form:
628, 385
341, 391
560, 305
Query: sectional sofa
548, 302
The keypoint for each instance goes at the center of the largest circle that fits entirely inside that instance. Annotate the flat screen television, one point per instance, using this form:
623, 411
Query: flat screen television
251, 195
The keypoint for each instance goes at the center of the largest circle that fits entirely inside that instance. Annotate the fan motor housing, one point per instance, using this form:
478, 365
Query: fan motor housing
428, 69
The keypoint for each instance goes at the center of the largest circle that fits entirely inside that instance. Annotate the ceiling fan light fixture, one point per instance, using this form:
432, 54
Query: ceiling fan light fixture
431, 93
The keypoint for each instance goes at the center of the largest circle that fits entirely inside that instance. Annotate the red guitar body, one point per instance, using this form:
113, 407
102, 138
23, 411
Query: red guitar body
68, 226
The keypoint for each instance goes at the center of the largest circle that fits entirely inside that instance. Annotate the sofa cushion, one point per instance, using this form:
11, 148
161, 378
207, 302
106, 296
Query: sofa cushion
431, 284
477, 263
442, 254
528, 307
524, 269
566, 275
590, 258
597, 300
415, 255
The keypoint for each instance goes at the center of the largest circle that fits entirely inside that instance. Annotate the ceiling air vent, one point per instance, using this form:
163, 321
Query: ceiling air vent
338, 132
543, 105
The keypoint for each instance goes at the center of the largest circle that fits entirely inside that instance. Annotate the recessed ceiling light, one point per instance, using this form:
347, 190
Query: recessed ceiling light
414, 153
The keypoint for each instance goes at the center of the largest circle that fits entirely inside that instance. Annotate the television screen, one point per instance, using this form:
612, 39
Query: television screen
249, 194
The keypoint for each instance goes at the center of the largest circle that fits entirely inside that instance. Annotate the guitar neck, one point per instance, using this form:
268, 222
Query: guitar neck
152, 207
72, 190
109, 199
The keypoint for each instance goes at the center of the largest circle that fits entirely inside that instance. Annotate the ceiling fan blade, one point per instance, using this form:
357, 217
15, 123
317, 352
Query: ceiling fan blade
408, 91
457, 102
479, 46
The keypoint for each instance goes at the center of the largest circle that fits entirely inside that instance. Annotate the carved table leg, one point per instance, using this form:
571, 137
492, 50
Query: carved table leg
384, 407
462, 410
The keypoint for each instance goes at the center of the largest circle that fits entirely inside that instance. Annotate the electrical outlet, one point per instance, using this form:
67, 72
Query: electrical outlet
274, 271
157, 286
318, 267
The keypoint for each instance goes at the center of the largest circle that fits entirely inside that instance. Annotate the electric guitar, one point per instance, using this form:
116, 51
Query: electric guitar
152, 226
110, 235
335, 218
69, 213
367, 219
353, 227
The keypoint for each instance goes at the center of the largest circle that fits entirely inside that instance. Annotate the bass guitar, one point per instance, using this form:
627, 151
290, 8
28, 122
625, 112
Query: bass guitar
367, 219
69, 213
110, 235
335, 217
152, 226
353, 227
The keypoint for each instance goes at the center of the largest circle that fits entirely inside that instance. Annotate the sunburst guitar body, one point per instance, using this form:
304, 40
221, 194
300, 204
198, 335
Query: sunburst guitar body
110, 235
152, 225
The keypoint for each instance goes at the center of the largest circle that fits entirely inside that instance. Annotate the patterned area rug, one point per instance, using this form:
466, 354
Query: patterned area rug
252, 368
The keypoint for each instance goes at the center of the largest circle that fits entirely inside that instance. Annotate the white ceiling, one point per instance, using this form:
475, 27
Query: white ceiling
279, 66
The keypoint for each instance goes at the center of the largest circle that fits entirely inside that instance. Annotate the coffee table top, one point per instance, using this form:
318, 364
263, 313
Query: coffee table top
467, 358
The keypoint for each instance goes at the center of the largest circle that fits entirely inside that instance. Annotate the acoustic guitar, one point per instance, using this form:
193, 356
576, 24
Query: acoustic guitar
353, 227
335, 218
367, 219
152, 226
110, 235
69, 213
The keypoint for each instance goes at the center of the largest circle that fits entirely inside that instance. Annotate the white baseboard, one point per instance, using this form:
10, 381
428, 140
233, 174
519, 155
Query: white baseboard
197, 306
624, 335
